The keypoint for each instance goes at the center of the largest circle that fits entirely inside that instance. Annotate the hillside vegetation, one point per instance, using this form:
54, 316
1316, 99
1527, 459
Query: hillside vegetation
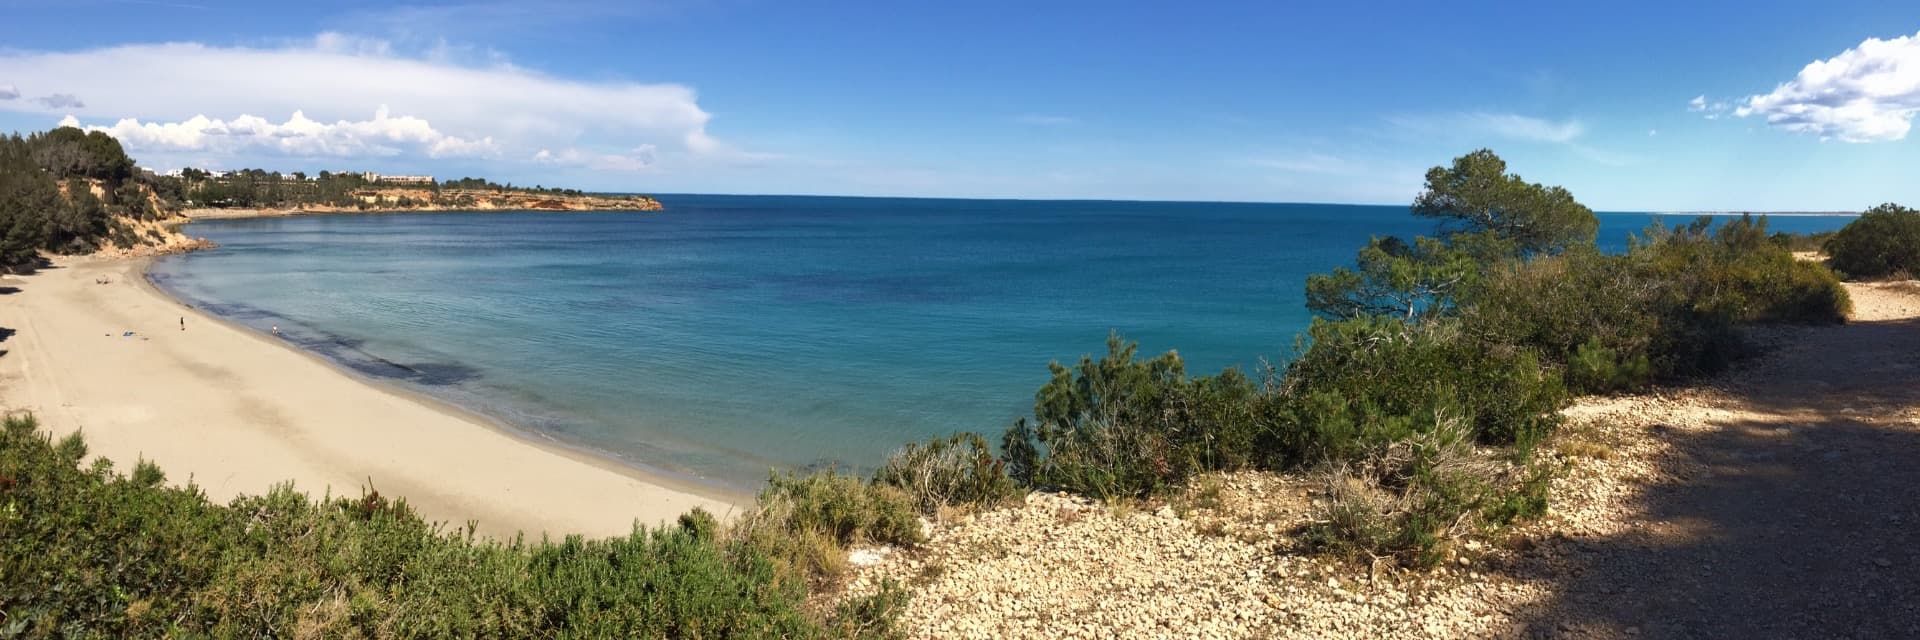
70, 192
345, 192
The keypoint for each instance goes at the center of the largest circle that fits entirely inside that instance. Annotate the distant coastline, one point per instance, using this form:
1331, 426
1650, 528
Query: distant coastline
1780, 214
404, 201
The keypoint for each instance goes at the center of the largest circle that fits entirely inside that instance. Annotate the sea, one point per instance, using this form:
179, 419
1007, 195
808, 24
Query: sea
728, 337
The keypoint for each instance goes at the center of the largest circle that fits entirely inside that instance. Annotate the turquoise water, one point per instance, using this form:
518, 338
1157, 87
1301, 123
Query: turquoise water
730, 334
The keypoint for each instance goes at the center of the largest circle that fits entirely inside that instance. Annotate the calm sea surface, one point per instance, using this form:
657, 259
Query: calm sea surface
731, 334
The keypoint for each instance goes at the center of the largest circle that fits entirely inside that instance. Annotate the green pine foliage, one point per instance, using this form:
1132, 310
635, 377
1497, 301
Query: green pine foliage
47, 199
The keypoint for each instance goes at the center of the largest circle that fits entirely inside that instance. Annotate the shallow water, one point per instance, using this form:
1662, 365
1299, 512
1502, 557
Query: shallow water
731, 334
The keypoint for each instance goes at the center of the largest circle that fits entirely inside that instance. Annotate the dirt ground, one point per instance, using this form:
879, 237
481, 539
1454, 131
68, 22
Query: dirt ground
1783, 500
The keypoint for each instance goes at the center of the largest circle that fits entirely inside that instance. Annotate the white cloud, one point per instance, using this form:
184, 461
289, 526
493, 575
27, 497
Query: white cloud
1713, 110
640, 158
1869, 93
172, 93
1499, 125
383, 135
1653, 133
8, 92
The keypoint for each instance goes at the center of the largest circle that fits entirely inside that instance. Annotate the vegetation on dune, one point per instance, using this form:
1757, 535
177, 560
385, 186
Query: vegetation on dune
1883, 243
86, 551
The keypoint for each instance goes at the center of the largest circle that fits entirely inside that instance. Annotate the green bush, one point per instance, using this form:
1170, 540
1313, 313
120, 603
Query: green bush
1665, 310
845, 508
1123, 427
1816, 241
804, 524
1409, 500
958, 470
1735, 270
1367, 382
1884, 241
1597, 368
88, 552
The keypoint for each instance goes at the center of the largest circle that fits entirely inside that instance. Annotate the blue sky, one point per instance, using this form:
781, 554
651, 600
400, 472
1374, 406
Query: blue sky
1633, 106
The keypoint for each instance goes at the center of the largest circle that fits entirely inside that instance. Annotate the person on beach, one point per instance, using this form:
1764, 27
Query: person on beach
276, 329
183, 323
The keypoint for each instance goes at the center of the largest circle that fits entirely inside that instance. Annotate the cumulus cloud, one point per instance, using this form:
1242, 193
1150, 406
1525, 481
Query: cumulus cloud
170, 94
7, 92
1866, 94
383, 135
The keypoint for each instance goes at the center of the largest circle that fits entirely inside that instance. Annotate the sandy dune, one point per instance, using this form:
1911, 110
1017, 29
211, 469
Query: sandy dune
237, 412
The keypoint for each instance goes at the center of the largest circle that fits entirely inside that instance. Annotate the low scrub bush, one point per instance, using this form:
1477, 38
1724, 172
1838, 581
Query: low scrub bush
90, 552
1125, 427
1600, 319
1801, 242
958, 470
1882, 242
805, 523
1410, 500
1736, 271
1665, 310
1370, 381
844, 507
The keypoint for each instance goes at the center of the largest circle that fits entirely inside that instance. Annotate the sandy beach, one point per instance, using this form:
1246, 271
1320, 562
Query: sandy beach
238, 412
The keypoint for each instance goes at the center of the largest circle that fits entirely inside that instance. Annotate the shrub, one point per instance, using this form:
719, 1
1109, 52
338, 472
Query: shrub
958, 470
88, 552
1408, 500
1883, 241
1734, 270
1367, 382
843, 507
1798, 242
804, 524
1606, 321
1123, 427
1665, 310
1596, 368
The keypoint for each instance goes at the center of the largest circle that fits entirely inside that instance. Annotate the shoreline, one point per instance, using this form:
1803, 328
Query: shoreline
640, 471
221, 422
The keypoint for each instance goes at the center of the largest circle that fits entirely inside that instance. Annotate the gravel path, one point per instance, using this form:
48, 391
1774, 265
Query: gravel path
1786, 504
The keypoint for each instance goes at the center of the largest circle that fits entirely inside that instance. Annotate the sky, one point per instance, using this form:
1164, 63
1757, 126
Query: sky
1633, 106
